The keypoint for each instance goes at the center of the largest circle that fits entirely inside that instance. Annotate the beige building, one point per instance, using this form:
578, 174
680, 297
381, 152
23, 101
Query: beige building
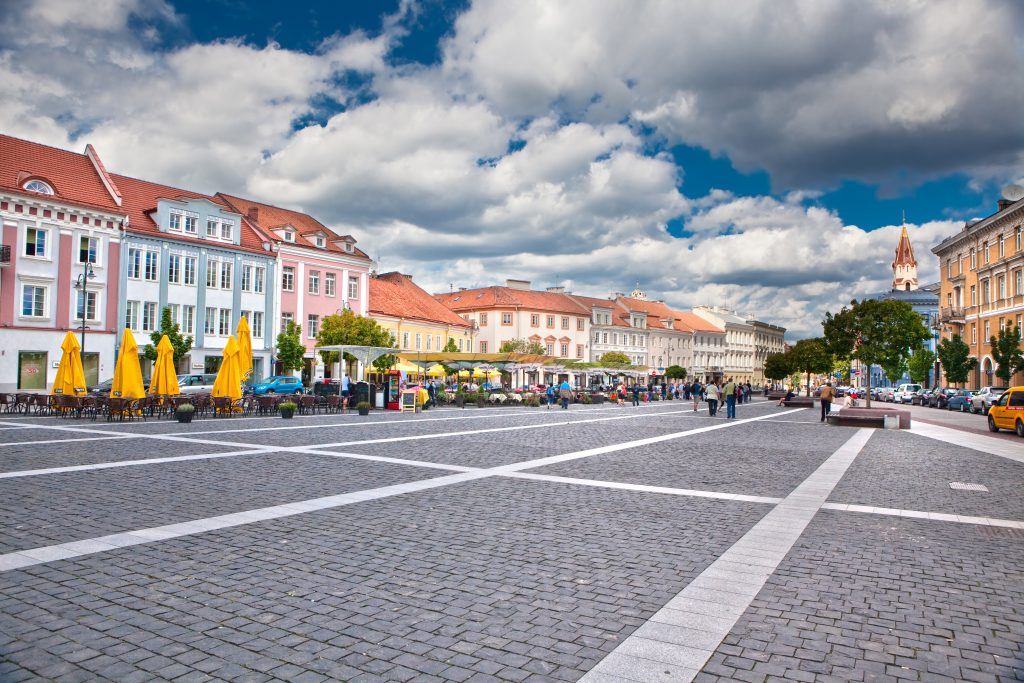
738, 355
768, 339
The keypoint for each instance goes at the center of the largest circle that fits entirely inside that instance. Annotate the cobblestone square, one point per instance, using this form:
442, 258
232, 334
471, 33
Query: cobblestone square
601, 544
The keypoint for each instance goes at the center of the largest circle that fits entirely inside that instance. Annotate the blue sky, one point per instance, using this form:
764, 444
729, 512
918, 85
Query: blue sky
746, 154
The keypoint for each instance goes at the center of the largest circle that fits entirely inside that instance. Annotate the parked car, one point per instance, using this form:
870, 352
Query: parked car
983, 400
940, 397
279, 384
905, 393
196, 384
886, 394
961, 400
101, 388
922, 397
1007, 412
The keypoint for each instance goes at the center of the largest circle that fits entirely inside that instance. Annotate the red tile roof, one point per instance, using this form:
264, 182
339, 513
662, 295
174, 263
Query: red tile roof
269, 218
697, 323
72, 175
620, 315
396, 295
507, 297
140, 200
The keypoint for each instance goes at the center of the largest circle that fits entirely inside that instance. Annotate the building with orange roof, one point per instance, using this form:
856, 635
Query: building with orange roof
515, 311
738, 358
670, 339
614, 328
417, 320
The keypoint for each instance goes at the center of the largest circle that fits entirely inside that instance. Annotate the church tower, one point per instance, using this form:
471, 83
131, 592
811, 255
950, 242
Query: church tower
904, 268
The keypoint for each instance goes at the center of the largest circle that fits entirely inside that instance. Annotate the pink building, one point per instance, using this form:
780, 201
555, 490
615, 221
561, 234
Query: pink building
321, 273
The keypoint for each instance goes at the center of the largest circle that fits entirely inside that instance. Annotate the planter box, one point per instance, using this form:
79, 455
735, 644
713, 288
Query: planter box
287, 414
184, 418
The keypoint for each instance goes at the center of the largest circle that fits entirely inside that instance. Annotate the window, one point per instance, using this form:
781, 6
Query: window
33, 302
565, 322
225, 275
1018, 239
313, 326
246, 278
974, 333
314, 282
460, 345
430, 343
329, 279
405, 340
152, 271
226, 230
191, 222
579, 350
175, 221
551, 321
604, 337
974, 295
285, 319
986, 292
483, 320
87, 248
1018, 282
174, 308
38, 186
597, 337
134, 264
259, 277
131, 316
35, 242
988, 332
188, 319
210, 324
148, 316
353, 288
88, 303
191, 266
949, 267
506, 318
320, 242
437, 342
1002, 287
174, 268
984, 247
534, 320
289, 236
549, 349
642, 341
483, 347
419, 341
211, 273
288, 278
615, 337
224, 322
211, 227
974, 259
256, 324
579, 324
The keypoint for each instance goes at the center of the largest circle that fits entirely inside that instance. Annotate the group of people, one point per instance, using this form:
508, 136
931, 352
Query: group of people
714, 394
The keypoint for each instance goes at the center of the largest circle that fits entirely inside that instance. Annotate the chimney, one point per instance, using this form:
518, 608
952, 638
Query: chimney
556, 290
1004, 204
518, 284
253, 214
407, 276
462, 289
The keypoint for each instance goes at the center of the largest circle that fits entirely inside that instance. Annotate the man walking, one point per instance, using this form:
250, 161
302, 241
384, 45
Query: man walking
730, 399
711, 393
565, 393
826, 396
636, 395
695, 390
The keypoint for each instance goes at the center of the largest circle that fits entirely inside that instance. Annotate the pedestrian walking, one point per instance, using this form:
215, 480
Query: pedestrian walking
695, 392
565, 393
636, 395
730, 390
549, 395
826, 396
711, 395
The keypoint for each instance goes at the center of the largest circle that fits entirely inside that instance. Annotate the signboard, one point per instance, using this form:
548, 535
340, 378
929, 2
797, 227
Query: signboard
199, 365
408, 402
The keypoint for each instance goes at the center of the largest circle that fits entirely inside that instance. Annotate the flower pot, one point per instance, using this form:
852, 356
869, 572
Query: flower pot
184, 418
481, 402
460, 401
287, 414
364, 411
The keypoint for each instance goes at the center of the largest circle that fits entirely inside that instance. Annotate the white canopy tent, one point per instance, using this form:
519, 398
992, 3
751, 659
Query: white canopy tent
364, 355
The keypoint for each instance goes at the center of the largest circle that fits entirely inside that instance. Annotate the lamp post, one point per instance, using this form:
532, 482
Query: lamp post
80, 284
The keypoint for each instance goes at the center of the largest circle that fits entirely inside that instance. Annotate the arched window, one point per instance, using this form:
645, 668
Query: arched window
38, 186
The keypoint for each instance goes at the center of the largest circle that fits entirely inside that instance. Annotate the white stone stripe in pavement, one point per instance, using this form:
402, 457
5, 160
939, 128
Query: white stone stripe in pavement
921, 514
84, 438
255, 450
62, 551
600, 483
676, 643
1004, 448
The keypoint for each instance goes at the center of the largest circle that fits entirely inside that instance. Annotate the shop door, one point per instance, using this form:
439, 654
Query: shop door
32, 370
91, 365
257, 371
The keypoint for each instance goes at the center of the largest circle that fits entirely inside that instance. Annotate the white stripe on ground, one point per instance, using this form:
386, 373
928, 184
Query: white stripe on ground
62, 551
978, 442
920, 514
84, 438
645, 488
676, 643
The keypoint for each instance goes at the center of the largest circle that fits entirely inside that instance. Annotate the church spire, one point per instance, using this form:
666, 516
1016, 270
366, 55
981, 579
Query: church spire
904, 268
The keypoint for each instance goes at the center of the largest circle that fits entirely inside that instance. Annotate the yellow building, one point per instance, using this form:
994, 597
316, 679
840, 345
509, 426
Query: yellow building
982, 285
416, 320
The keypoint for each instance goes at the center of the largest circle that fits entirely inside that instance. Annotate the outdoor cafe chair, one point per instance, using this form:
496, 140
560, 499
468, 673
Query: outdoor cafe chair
307, 404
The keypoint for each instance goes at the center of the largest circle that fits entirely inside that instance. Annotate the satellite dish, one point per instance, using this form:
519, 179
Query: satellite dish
1013, 192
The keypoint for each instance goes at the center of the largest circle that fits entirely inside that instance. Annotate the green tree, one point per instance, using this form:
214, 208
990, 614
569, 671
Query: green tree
182, 345
894, 368
920, 364
675, 372
778, 366
957, 361
614, 359
843, 367
1006, 353
810, 356
450, 347
291, 353
522, 346
875, 332
349, 328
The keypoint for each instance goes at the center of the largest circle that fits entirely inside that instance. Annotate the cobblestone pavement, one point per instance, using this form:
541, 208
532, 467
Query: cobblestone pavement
605, 544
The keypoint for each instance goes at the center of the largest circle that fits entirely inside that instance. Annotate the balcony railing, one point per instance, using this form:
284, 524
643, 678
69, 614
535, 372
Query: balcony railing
951, 314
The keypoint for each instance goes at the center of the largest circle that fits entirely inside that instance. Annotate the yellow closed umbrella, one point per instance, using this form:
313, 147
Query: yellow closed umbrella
229, 379
128, 372
164, 381
70, 379
244, 349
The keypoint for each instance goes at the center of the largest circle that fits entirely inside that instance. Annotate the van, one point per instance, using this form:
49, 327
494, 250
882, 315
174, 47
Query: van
905, 393
196, 384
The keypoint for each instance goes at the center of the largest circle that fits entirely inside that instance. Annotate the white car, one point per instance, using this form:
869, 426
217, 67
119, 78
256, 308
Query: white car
905, 393
983, 400
196, 383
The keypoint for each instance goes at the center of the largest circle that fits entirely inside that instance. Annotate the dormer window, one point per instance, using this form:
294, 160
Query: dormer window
348, 247
289, 236
38, 186
320, 241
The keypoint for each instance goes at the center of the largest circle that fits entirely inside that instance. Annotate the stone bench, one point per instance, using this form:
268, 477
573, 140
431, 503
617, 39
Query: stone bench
799, 402
867, 417
775, 395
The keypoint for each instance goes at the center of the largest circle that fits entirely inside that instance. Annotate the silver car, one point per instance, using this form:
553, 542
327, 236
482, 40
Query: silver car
196, 384
983, 400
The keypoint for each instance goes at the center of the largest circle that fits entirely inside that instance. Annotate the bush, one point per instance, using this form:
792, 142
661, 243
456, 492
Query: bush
532, 401
287, 405
363, 405
185, 408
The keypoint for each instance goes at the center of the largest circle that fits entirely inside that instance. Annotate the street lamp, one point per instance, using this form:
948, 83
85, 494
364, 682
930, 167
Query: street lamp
80, 284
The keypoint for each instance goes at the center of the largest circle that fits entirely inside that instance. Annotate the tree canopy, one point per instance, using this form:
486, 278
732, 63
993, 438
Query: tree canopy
810, 356
349, 328
614, 358
450, 347
675, 372
522, 346
957, 361
1006, 353
181, 345
778, 366
920, 364
291, 353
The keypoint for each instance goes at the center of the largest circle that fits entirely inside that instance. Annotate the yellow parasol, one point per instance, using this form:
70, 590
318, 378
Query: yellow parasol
244, 349
229, 380
70, 379
164, 381
128, 373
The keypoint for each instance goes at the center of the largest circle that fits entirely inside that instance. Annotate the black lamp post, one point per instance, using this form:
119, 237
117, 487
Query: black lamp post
80, 284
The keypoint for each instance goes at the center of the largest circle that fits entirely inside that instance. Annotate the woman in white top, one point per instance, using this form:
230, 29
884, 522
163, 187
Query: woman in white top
711, 395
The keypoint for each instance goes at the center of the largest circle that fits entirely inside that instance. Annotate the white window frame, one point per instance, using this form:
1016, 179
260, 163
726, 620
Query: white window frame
45, 302
313, 280
174, 269
353, 287
151, 258
312, 325
225, 275
188, 319
95, 250
259, 279
247, 277
224, 322
257, 324
191, 223
189, 267
133, 315
134, 263
89, 294
210, 322
330, 281
288, 278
